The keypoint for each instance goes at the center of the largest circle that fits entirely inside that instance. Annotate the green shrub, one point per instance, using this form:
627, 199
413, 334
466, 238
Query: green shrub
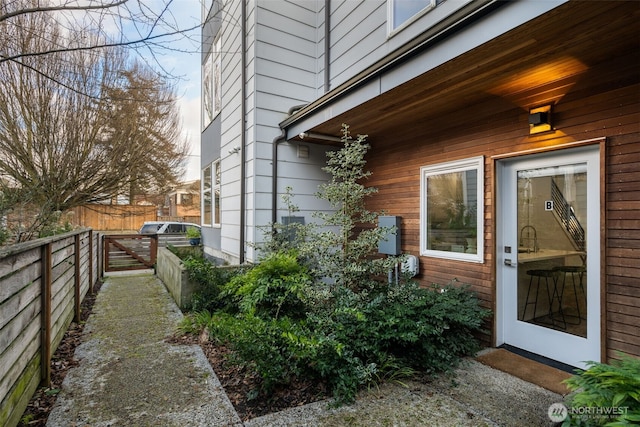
423, 329
358, 338
276, 285
195, 322
606, 387
210, 280
345, 327
277, 349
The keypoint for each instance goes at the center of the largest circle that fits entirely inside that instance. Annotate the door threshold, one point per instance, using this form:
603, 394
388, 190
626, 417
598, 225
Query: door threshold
540, 359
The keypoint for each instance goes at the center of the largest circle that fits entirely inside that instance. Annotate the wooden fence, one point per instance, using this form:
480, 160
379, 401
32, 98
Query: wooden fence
42, 284
113, 217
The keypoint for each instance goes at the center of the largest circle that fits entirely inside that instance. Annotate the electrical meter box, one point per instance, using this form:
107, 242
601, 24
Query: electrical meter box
289, 230
390, 243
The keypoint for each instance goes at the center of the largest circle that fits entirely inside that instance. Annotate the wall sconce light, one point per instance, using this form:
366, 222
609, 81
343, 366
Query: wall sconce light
540, 119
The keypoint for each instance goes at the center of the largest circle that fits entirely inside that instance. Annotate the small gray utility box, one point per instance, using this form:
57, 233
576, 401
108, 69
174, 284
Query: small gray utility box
390, 243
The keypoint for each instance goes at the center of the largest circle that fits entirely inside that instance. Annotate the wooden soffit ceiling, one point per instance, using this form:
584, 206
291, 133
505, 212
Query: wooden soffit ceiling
521, 67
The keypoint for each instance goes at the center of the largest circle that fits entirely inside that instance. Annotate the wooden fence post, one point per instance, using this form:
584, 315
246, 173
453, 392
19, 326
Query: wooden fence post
154, 251
76, 281
91, 262
45, 330
105, 247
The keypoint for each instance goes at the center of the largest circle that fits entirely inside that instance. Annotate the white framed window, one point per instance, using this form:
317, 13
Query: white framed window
216, 193
216, 65
207, 92
211, 194
211, 85
403, 12
452, 210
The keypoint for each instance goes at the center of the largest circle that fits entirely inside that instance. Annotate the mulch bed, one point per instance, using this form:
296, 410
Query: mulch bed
62, 360
238, 382
242, 385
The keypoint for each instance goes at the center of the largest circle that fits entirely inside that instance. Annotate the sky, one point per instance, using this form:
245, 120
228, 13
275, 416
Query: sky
177, 56
184, 61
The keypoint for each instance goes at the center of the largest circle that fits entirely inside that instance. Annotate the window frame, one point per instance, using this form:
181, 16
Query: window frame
207, 91
469, 164
206, 188
216, 76
212, 84
216, 212
391, 14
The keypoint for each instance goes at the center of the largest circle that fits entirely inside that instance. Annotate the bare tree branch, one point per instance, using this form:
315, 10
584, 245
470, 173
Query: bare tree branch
18, 12
80, 126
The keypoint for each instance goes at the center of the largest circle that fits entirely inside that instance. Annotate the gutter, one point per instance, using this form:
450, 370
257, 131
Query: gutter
243, 131
454, 22
327, 45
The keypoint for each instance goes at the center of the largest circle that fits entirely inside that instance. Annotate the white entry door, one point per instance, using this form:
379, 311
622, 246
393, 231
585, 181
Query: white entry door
548, 255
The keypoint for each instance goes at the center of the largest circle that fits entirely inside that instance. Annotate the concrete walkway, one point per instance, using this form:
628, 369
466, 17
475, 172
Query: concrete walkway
128, 376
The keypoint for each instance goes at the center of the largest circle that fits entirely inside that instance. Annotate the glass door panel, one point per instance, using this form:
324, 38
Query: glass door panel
552, 218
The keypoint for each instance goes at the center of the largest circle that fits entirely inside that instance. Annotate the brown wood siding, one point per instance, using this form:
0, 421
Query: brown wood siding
623, 243
603, 102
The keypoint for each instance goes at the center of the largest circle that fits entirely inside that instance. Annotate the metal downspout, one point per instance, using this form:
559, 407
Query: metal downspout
243, 131
283, 136
274, 166
327, 45
274, 175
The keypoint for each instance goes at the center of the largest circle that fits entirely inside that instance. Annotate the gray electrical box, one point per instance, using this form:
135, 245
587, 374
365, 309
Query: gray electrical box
289, 231
390, 243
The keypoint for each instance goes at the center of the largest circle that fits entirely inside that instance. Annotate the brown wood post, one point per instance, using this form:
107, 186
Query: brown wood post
105, 246
90, 262
154, 250
100, 258
45, 330
76, 281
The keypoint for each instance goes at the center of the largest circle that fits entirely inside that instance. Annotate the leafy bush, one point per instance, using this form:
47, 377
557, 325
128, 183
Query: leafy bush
366, 337
274, 348
210, 280
276, 285
607, 387
313, 308
422, 329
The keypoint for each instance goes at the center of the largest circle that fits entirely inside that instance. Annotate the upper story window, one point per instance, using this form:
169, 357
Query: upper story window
212, 84
404, 11
452, 209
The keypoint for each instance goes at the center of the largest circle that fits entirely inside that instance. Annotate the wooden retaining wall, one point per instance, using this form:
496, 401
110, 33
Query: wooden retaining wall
42, 284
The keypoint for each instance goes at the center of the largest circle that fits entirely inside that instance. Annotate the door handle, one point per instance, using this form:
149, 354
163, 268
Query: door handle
509, 263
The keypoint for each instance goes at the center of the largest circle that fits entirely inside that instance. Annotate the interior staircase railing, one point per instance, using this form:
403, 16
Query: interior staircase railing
567, 218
